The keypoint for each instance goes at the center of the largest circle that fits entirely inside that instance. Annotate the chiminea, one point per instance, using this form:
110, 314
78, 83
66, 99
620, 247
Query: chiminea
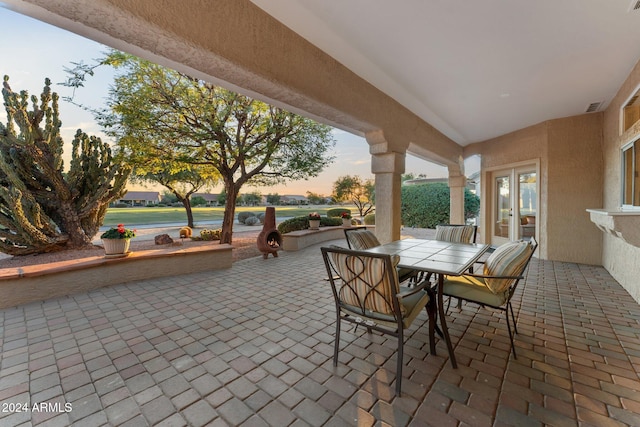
269, 239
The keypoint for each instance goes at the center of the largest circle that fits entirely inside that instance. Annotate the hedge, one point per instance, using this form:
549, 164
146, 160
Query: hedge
337, 212
427, 205
302, 223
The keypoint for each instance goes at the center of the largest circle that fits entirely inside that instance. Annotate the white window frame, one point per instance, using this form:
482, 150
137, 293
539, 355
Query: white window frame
634, 144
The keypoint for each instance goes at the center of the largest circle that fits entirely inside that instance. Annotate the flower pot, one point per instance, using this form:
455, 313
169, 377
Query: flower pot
346, 222
116, 247
314, 224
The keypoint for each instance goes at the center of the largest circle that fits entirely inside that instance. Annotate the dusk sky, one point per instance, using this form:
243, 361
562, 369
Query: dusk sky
34, 50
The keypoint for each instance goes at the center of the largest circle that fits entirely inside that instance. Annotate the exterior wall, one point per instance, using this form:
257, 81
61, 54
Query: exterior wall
569, 155
574, 184
618, 257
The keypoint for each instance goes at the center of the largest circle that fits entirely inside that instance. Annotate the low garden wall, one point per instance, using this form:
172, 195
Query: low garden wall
296, 240
40, 282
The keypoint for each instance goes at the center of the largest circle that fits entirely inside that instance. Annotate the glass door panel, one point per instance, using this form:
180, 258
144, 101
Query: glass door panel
503, 207
527, 204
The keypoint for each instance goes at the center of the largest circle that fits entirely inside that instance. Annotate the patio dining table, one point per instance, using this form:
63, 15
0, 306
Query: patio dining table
437, 257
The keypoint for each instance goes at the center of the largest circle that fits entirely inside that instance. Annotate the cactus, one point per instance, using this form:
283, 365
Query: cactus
42, 207
211, 234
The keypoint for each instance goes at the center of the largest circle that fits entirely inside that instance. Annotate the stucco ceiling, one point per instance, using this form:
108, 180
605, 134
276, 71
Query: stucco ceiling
477, 69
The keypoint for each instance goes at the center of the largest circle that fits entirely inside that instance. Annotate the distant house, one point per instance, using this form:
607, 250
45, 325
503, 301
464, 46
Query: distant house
140, 198
294, 200
212, 199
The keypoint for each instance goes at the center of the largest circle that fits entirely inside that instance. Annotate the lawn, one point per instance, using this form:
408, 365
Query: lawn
153, 215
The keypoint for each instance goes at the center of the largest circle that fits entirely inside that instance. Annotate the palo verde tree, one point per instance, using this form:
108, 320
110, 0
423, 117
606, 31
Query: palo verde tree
356, 190
246, 141
42, 207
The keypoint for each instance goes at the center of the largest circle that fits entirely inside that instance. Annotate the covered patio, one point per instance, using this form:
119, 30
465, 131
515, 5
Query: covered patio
252, 346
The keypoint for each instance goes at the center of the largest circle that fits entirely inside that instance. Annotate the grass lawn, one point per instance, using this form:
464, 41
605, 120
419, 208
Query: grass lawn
152, 215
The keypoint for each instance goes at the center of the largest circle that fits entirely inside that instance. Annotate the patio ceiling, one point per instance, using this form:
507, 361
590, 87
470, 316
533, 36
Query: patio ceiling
476, 70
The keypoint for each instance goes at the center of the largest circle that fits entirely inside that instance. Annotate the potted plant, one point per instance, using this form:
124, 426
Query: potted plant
346, 219
314, 221
116, 241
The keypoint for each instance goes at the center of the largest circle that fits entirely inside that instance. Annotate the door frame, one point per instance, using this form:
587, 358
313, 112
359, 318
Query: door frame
489, 202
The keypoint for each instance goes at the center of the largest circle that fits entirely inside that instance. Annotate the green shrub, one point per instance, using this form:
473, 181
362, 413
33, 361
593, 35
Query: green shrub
242, 216
302, 223
293, 224
261, 217
370, 219
252, 220
198, 201
121, 205
337, 212
329, 222
427, 205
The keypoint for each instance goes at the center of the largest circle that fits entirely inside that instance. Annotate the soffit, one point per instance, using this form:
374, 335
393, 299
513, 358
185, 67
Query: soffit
480, 69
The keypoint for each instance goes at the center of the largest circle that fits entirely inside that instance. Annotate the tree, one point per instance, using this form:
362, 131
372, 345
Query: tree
180, 178
168, 198
273, 199
198, 201
252, 199
222, 198
246, 141
356, 190
315, 199
182, 184
42, 207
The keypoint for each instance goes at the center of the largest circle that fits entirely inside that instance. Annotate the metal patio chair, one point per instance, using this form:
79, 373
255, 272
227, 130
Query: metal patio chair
366, 291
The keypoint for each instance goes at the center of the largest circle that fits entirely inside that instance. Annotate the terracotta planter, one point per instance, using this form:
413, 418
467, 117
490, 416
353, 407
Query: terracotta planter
314, 224
116, 247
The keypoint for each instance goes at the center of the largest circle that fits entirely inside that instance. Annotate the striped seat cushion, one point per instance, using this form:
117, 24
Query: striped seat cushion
508, 260
365, 282
455, 233
361, 240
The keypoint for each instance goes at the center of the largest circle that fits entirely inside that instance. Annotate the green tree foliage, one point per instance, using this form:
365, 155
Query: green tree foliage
252, 199
42, 207
198, 201
315, 199
156, 110
427, 205
273, 199
168, 198
356, 190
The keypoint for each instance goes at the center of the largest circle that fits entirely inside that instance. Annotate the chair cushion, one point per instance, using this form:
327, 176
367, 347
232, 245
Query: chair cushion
455, 233
365, 282
361, 240
472, 289
508, 260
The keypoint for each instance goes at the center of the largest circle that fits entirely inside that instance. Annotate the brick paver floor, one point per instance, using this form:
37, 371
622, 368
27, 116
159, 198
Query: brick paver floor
252, 346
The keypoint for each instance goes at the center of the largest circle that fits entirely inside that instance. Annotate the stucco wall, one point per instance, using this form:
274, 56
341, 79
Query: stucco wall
569, 154
618, 257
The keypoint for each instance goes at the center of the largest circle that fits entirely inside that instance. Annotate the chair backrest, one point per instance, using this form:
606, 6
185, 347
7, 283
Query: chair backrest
458, 233
360, 239
510, 259
363, 283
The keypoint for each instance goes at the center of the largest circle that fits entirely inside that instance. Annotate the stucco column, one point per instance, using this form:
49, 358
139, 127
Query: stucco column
456, 196
388, 169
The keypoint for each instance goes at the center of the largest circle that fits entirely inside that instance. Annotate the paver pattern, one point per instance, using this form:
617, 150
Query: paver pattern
252, 346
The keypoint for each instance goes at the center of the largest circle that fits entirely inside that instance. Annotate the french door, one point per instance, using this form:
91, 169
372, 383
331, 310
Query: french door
515, 204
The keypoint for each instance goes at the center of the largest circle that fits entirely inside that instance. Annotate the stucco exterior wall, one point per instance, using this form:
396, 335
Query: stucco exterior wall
568, 153
618, 257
